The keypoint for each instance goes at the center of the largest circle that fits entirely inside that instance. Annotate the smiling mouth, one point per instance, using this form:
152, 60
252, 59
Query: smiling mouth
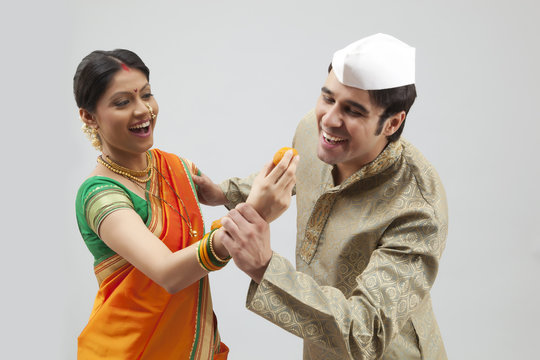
332, 139
141, 128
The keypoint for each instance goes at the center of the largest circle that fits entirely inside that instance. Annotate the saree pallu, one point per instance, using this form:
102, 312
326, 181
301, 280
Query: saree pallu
135, 318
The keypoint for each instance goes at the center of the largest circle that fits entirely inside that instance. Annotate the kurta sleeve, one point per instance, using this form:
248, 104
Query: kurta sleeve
397, 278
236, 190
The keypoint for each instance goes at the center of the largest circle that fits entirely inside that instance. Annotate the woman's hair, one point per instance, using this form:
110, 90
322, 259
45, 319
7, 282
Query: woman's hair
96, 71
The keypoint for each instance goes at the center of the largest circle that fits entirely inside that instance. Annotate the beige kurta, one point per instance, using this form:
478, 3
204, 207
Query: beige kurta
367, 255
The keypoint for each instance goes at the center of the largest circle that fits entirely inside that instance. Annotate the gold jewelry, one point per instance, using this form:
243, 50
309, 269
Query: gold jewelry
192, 232
127, 173
151, 111
136, 173
207, 257
211, 243
92, 135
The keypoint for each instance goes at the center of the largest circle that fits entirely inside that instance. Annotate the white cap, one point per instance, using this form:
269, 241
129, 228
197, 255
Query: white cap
375, 62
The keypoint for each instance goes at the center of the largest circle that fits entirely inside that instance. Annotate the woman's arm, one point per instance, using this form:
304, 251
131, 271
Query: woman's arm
126, 234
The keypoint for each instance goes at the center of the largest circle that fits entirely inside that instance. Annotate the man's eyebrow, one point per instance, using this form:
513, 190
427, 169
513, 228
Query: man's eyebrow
326, 90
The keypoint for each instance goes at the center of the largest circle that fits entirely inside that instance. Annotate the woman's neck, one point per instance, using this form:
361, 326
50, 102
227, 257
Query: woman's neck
128, 160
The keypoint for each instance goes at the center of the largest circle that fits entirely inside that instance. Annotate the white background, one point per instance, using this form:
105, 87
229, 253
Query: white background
232, 79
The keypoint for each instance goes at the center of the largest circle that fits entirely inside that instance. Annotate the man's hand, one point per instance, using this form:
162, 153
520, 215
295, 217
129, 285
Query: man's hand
208, 192
271, 191
247, 239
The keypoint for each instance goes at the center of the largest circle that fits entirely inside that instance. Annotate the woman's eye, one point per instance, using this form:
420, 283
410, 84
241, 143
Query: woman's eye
121, 103
147, 95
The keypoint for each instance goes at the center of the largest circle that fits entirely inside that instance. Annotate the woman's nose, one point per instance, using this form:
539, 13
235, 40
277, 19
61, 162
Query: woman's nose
143, 109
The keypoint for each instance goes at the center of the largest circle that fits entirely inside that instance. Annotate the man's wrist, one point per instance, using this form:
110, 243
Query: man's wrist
258, 274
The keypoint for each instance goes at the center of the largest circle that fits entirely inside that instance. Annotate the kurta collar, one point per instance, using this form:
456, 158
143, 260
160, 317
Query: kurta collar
325, 202
386, 158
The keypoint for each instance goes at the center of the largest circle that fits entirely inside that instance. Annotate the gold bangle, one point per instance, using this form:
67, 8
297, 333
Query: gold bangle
210, 240
206, 261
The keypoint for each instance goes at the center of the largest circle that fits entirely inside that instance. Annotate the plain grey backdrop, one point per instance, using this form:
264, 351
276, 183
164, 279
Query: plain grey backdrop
232, 79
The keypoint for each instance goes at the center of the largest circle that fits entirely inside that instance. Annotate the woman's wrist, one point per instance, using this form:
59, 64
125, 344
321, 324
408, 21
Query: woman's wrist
207, 256
217, 244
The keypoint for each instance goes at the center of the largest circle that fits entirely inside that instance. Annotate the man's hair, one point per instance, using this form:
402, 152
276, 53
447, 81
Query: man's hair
392, 101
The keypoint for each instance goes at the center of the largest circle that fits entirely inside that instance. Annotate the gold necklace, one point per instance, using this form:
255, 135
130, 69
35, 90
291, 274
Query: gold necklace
134, 176
192, 232
137, 173
128, 173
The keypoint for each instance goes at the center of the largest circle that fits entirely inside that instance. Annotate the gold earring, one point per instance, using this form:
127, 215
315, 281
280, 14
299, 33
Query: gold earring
92, 135
151, 111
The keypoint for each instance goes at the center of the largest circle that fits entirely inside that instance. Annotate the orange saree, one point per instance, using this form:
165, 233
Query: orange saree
135, 318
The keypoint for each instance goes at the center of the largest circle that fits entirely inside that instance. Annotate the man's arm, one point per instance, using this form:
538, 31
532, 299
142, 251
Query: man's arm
398, 277
235, 190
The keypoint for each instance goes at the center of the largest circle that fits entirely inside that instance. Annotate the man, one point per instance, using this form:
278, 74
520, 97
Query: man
372, 219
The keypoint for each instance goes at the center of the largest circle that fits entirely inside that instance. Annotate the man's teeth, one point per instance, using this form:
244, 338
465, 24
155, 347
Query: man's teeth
140, 126
332, 139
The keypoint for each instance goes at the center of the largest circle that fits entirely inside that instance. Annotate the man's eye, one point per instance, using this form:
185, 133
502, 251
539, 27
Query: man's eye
355, 113
328, 100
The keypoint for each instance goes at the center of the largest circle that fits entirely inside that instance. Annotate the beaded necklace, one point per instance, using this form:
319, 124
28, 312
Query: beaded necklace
134, 176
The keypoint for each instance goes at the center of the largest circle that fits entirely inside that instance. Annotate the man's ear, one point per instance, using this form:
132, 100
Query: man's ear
393, 123
88, 118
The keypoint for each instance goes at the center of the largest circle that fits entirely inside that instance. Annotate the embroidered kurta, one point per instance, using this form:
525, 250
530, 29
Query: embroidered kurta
367, 255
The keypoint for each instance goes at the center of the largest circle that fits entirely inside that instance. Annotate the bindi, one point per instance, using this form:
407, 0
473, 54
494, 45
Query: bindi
135, 90
124, 66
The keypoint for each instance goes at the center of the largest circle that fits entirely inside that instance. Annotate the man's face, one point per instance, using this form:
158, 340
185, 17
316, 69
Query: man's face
347, 123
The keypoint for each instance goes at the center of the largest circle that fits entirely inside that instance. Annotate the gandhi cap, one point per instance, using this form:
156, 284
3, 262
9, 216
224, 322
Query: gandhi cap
375, 62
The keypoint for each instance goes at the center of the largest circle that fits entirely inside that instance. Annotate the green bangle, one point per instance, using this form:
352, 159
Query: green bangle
210, 243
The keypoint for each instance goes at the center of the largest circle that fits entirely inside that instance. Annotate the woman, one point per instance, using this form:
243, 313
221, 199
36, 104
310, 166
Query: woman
139, 215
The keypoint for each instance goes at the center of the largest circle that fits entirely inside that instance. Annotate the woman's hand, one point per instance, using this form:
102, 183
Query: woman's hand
271, 191
208, 192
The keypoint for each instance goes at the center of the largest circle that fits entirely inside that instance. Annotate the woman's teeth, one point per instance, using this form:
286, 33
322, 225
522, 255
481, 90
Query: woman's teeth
140, 126
332, 139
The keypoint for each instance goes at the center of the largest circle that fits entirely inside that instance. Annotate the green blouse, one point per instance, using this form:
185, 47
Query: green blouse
98, 196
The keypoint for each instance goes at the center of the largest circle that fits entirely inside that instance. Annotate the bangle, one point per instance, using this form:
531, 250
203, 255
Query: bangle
206, 256
211, 243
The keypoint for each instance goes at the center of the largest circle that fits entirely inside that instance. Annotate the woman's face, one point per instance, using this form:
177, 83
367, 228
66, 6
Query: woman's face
124, 121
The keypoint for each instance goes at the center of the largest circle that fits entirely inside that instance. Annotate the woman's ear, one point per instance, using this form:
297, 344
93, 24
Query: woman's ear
88, 118
393, 123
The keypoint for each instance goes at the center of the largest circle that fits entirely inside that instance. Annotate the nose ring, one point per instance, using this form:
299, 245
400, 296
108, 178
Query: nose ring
151, 111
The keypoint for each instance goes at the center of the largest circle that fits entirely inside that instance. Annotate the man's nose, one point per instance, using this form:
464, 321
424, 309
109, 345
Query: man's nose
332, 118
